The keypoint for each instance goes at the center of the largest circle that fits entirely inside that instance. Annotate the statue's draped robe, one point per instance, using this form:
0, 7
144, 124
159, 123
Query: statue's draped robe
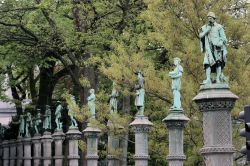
91, 104
113, 101
213, 46
47, 120
176, 78
139, 99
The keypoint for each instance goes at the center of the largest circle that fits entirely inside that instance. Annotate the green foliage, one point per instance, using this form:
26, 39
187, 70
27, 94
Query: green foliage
118, 38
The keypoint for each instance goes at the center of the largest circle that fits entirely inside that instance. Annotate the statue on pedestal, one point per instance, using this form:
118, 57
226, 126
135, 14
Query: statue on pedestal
58, 116
213, 44
113, 99
140, 93
176, 83
37, 121
28, 123
47, 120
91, 102
73, 121
21, 122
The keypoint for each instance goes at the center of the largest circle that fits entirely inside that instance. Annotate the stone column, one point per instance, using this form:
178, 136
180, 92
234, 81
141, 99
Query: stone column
215, 103
73, 135
58, 138
6, 153
46, 140
19, 151
27, 151
141, 126
113, 145
175, 123
1, 153
37, 150
12, 152
92, 135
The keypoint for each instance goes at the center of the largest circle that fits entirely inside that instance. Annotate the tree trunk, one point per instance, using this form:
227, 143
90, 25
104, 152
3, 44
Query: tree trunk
45, 88
15, 95
32, 84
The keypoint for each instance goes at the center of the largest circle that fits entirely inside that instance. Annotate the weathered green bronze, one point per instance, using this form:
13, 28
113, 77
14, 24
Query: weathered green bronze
176, 84
28, 124
37, 121
113, 99
213, 44
72, 114
47, 120
58, 116
140, 94
91, 102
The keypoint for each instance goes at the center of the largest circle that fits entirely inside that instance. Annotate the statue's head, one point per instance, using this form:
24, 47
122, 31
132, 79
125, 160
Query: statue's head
91, 91
211, 17
140, 74
47, 106
38, 114
177, 61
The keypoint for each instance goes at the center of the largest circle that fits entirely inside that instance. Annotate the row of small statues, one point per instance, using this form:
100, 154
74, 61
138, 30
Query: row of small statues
26, 121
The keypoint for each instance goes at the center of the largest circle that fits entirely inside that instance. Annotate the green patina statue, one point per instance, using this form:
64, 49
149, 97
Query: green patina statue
58, 116
28, 124
113, 99
213, 44
47, 120
71, 115
176, 84
37, 121
140, 93
91, 102
21, 122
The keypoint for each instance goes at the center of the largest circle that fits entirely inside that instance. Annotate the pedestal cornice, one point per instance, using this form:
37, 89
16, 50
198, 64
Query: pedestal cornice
73, 134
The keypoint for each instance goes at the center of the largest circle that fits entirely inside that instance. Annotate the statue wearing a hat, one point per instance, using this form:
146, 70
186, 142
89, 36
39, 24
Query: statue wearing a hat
213, 44
140, 93
58, 116
176, 84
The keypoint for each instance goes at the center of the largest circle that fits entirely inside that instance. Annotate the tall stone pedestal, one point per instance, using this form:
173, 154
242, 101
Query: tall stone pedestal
73, 135
6, 153
27, 151
141, 126
92, 135
215, 103
46, 140
58, 138
19, 151
1, 153
37, 150
175, 123
12, 144
113, 145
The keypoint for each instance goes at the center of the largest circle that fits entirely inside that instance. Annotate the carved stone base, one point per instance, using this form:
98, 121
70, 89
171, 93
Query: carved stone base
19, 152
12, 152
92, 135
6, 152
58, 138
73, 135
47, 154
27, 151
176, 122
141, 126
37, 150
216, 102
